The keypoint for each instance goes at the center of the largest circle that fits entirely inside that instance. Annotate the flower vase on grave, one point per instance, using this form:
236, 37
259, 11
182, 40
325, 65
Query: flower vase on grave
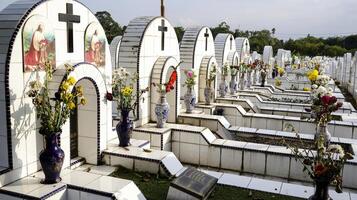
249, 80
124, 128
208, 95
223, 86
322, 187
233, 84
190, 100
162, 111
241, 81
51, 159
255, 77
263, 76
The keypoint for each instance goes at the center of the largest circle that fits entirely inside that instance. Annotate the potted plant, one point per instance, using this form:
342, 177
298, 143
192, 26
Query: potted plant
223, 87
190, 97
208, 90
127, 100
53, 112
162, 108
324, 164
233, 83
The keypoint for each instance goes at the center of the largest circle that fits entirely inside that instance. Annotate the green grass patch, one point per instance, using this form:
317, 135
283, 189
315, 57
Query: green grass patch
155, 187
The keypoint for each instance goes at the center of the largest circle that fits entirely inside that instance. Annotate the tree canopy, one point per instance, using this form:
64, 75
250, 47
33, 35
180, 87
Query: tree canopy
111, 27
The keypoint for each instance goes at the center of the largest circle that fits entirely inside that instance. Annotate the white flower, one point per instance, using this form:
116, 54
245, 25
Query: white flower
336, 149
314, 86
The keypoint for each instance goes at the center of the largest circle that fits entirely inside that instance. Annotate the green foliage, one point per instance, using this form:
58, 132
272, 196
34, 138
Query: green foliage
111, 27
179, 32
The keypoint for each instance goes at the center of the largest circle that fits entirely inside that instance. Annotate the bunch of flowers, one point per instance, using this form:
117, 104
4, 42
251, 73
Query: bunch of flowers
164, 88
212, 75
225, 69
322, 80
281, 71
278, 82
321, 164
190, 78
54, 112
312, 75
323, 106
243, 68
234, 70
123, 90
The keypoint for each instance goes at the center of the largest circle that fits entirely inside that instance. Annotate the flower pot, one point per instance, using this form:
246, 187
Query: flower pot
263, 76
162, 111
249, 79
190, 100
233, 84
124, 129
208, 95
321, 189
51, 159
241, 81
223, 86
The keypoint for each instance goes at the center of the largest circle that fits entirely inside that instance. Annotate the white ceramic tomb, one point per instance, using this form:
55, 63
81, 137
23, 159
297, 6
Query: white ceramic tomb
243, 48
20, 141
150, 48
346, 79
198, 54
225, 51
114, 51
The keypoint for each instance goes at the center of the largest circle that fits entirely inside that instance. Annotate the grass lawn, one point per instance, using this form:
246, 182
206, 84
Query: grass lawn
155, 188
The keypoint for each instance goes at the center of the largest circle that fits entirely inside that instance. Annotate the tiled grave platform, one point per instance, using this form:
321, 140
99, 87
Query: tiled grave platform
300, 190
197, 145
236, 116
75, 185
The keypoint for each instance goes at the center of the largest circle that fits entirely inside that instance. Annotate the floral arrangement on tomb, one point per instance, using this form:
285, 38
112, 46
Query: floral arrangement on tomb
164, 88
225, 69
190, 78
54, 111
323, 106
278, 82
281, 71
123, 90
212, 75
324, 164
243, 68
234, 70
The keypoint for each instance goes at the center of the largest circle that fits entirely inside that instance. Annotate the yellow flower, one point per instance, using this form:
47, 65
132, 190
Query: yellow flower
71, 80
307, 89
79, 91
71, 105
281, 70
83, 101
312, 75
127, 91
65, 86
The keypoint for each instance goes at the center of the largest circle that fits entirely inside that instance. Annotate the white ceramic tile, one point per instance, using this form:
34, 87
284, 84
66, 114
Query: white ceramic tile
108, 184
339, 196
189, 153
231, 159
295, 190
147, 166
277, 165
7, 197
172, 163
217, 175
214, 157
90, 196
254, 162
79, 178
265, 185
234, 180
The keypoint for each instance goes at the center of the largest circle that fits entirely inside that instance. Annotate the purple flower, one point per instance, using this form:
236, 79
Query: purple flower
190, 74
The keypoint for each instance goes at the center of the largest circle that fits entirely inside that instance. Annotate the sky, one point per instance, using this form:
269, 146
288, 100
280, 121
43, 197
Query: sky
290, 18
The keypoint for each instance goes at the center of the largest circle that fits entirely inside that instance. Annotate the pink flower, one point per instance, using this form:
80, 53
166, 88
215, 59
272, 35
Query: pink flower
190, 74
333, 100
325, 100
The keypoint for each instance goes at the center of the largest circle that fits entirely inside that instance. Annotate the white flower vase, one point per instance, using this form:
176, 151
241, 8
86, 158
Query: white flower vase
223, 86
249, 80
241, 81
233, 85
190, 100
162, 109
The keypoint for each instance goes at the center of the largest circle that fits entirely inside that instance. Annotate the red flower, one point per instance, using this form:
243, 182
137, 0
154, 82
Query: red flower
333, 100
170, 84
325, 100
109, 96
339, 104
320, 169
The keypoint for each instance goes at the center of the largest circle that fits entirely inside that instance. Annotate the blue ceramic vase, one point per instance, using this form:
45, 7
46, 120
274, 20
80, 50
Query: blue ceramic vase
162, 111
124, 128
51, 159
190, 100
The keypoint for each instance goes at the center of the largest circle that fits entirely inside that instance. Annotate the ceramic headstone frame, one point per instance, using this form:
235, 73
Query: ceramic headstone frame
198, 54
62, 38
150, 48
243, 47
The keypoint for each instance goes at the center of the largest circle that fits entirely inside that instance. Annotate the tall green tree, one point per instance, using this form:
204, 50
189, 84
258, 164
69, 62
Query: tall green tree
111, 27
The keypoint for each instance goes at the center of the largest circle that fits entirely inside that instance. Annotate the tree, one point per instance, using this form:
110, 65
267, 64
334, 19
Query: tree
179, 32
111, 27
223, 27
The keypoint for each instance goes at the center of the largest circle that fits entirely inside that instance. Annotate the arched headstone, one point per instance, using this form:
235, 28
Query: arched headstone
268, 55
224, 44
61, 32
150, 47
196, 47
114, 51
243, 48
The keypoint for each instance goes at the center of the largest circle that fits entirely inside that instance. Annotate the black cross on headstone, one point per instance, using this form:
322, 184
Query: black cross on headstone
231, 42
163, 29
206, 36
69, 18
